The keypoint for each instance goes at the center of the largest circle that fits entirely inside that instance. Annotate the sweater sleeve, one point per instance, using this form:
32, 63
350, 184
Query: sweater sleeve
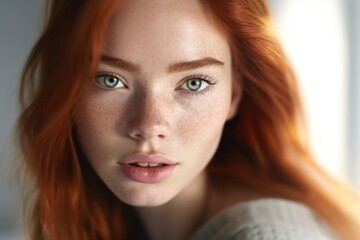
266, 219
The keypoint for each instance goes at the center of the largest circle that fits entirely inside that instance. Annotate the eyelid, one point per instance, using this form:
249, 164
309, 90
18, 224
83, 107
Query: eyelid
207, 79
104, 74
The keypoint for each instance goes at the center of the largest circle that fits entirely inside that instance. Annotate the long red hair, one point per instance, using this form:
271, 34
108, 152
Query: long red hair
262, 147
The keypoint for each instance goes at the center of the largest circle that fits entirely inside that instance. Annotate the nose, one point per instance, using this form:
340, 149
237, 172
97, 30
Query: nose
150, 116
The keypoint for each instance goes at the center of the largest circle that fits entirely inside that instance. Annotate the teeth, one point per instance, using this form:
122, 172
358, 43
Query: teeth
141, 164
154, 164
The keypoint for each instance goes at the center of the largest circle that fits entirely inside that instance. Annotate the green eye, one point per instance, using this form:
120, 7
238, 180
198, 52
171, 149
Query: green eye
108, 81
195, 84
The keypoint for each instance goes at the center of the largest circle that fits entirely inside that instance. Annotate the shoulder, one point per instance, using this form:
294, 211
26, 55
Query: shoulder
266, 219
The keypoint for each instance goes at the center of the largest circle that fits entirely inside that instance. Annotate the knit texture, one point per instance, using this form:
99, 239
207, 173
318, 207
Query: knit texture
266, 219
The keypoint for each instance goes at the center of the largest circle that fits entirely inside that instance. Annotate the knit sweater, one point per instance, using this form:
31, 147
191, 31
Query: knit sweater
265, 219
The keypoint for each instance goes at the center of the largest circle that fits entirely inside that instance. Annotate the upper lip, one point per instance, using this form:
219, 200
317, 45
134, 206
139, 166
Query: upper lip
146, 158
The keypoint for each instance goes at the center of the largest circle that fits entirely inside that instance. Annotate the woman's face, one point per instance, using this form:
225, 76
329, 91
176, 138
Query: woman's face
162, 95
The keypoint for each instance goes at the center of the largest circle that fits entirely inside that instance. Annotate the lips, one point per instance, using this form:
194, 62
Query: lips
145, 168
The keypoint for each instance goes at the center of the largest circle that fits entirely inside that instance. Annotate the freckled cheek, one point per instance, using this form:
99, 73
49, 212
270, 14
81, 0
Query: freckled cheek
98, 123
203, 123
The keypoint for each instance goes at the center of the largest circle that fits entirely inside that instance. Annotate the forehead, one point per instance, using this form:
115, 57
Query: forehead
164, 30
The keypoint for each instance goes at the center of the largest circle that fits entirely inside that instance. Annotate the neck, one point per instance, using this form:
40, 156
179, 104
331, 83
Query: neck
180, 217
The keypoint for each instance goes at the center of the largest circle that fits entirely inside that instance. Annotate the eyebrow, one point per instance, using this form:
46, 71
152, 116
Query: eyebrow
120, 63
176, 67
202, 62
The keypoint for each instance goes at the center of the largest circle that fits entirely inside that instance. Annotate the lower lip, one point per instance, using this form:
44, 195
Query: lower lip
147, 174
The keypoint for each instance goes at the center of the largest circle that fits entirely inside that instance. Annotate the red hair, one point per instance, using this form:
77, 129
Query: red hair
262, 147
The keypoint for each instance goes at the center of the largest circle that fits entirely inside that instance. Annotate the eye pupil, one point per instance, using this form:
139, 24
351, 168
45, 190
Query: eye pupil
110, 81
194, 84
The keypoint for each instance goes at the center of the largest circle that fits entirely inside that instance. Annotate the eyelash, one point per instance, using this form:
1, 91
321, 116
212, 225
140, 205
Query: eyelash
201, 77
108, 74
211, 82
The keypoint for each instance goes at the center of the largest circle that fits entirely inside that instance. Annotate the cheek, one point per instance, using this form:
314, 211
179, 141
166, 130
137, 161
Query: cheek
202, 124
97, 125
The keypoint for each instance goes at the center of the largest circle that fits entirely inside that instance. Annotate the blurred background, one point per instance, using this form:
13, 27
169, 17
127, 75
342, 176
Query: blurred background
321, 37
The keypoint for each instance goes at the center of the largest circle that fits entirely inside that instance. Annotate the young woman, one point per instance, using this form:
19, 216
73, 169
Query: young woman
170, 120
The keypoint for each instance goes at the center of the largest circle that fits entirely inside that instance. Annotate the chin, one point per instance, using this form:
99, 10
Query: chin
146, 199
145, 202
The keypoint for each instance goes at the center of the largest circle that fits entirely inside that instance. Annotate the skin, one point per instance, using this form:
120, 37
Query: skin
152, 111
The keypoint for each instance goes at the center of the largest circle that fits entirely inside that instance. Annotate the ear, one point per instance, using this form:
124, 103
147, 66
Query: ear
236, 93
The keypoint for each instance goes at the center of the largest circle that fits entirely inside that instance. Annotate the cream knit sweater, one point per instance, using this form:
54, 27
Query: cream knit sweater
266, 219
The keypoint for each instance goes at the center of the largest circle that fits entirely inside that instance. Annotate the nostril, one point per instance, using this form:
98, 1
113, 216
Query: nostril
138, 136
147, 131
161, 136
